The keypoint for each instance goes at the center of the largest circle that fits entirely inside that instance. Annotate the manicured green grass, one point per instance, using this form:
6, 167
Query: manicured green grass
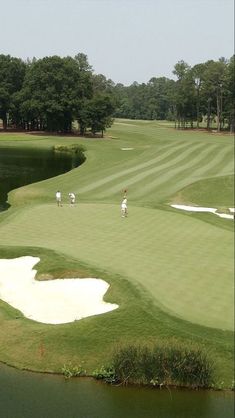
164, 252
170, 272
218, 192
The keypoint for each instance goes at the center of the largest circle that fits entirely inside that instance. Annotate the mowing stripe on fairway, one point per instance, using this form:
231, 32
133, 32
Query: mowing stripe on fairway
165, 172
138, 167
147, 173
185, 171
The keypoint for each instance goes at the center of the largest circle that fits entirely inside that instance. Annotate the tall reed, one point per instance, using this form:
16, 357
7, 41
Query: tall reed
163, 364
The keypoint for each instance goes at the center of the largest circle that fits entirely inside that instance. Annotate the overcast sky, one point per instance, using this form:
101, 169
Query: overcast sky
126, 40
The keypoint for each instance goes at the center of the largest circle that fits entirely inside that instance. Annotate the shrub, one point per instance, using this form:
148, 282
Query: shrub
73, 371
105, 373
169, 364
73, 148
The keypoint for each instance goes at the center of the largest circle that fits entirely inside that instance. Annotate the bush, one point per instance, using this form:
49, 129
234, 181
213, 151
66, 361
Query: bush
105, 373
73, 148
170, 364
73, 371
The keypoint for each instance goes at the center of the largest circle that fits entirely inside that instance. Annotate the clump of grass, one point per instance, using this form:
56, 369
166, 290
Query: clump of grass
70, 370
77, 151
163, 365
105, 373
74, 148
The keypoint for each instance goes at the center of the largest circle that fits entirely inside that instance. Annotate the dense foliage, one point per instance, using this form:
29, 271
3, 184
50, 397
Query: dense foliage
51, 93
203, 92
160, 365
54, 93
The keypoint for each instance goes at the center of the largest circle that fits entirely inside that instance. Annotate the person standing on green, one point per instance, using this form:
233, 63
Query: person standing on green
58, 198
124, 208
72, 199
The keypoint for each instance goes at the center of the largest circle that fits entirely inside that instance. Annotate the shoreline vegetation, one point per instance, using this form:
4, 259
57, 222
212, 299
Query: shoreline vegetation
87, 347
76, 149
159, 365
73, 148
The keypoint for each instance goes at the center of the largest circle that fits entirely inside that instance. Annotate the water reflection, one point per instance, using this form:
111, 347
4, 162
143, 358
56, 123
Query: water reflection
31, 395
20, 167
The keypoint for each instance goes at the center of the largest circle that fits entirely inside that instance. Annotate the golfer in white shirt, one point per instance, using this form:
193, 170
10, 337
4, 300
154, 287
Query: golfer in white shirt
58, 198
124, 207
72, 199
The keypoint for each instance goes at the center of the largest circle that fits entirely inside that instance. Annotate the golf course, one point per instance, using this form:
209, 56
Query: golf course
170, 272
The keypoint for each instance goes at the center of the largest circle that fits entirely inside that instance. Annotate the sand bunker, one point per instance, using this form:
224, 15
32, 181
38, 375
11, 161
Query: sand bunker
127, 149
52, 301
126, 124
202, 209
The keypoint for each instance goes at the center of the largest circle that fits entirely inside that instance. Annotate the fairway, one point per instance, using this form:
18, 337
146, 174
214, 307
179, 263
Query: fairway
180, 264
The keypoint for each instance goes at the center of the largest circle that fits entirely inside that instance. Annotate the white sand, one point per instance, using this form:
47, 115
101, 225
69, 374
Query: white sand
202, 209
52, 301
126, 124
127, 149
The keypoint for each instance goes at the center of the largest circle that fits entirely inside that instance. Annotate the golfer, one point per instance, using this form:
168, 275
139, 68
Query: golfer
58, 198
124, 208
72, 198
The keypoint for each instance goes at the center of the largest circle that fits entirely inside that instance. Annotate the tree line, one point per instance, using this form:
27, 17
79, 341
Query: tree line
63, 94
51, 93
202, 92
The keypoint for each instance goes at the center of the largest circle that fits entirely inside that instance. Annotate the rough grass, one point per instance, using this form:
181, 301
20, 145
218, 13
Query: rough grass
170, 272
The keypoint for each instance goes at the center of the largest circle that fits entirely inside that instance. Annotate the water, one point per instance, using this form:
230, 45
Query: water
19, 167
31, 395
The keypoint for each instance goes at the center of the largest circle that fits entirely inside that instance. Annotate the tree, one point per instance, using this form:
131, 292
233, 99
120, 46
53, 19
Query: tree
54, 91
229, 93
12, 72
100, 111
185, 94
180, 69
198, 73
101, 84
102, 90
213, 87
158, 98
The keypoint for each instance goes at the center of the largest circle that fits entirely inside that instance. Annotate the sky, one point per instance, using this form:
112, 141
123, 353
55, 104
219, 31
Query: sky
125, 40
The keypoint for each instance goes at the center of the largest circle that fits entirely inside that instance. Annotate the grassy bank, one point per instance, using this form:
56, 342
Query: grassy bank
171, 273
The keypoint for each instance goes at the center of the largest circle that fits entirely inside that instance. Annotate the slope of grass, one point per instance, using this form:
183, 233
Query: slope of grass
213, 192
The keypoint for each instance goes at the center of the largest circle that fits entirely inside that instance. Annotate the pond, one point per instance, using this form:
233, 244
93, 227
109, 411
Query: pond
33, 395
19, 167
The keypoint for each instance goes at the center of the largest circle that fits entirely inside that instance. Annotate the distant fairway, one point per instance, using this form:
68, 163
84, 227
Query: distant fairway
181, 262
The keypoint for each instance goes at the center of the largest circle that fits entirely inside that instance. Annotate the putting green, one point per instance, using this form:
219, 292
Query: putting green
185, 264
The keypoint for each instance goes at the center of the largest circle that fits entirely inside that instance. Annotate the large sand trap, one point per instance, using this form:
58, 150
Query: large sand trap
202, 209
53, 301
